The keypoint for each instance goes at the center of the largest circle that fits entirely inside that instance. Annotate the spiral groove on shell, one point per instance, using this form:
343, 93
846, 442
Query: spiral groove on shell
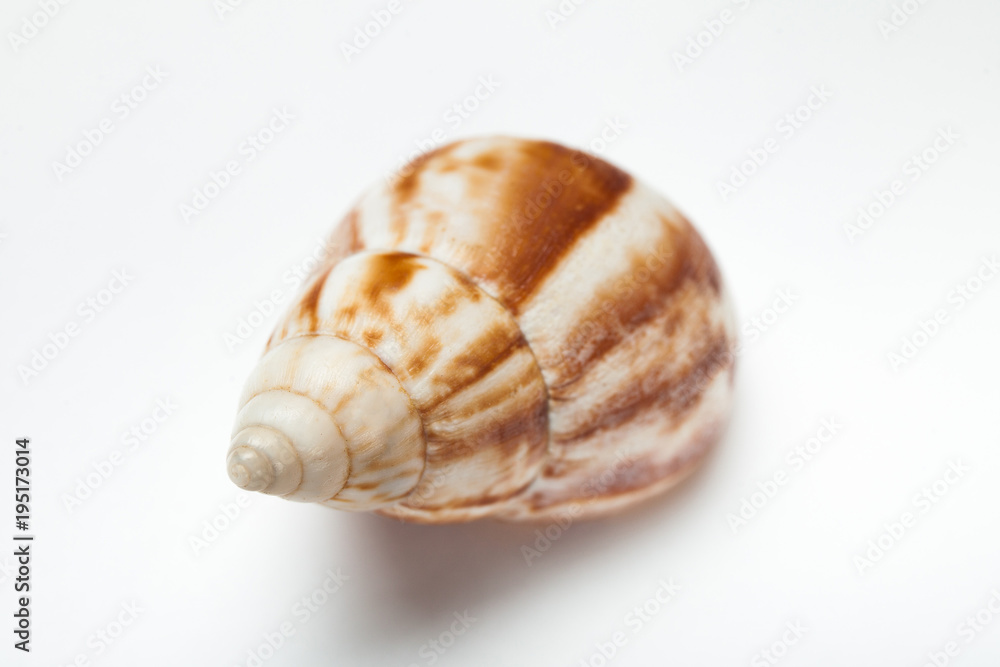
560, 331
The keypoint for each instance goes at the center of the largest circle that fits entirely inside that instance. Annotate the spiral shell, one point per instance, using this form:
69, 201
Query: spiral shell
512, 329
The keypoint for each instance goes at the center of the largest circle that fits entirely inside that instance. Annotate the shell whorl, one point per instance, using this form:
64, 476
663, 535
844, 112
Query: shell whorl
546, 316
323, 420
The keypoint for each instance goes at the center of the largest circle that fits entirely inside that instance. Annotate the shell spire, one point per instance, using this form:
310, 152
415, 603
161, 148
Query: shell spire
324, 421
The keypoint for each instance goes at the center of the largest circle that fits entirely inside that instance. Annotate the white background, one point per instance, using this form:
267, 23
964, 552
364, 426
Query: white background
687, 127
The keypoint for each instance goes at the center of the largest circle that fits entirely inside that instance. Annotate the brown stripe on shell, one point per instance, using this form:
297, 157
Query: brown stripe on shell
681, 262
670, 390
387, 274
352, 231
503, 429
405, 189
493, 347
435, 220
486, 420
390, 272
410, 174
309, 301
345, 240
542, 198
644, 476
542, 216
427, 354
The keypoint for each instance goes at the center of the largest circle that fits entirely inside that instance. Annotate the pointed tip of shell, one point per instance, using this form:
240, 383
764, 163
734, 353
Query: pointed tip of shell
249, 469
261, 459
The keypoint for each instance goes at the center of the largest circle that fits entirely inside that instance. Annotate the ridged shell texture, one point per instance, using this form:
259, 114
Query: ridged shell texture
510, 328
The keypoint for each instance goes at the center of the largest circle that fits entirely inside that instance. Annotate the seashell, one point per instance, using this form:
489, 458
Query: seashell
511, 329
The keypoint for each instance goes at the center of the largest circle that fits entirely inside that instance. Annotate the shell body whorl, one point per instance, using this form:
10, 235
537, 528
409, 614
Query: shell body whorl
557, 332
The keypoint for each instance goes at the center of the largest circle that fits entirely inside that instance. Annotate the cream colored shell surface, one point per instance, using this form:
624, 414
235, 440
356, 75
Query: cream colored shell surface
556, 331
